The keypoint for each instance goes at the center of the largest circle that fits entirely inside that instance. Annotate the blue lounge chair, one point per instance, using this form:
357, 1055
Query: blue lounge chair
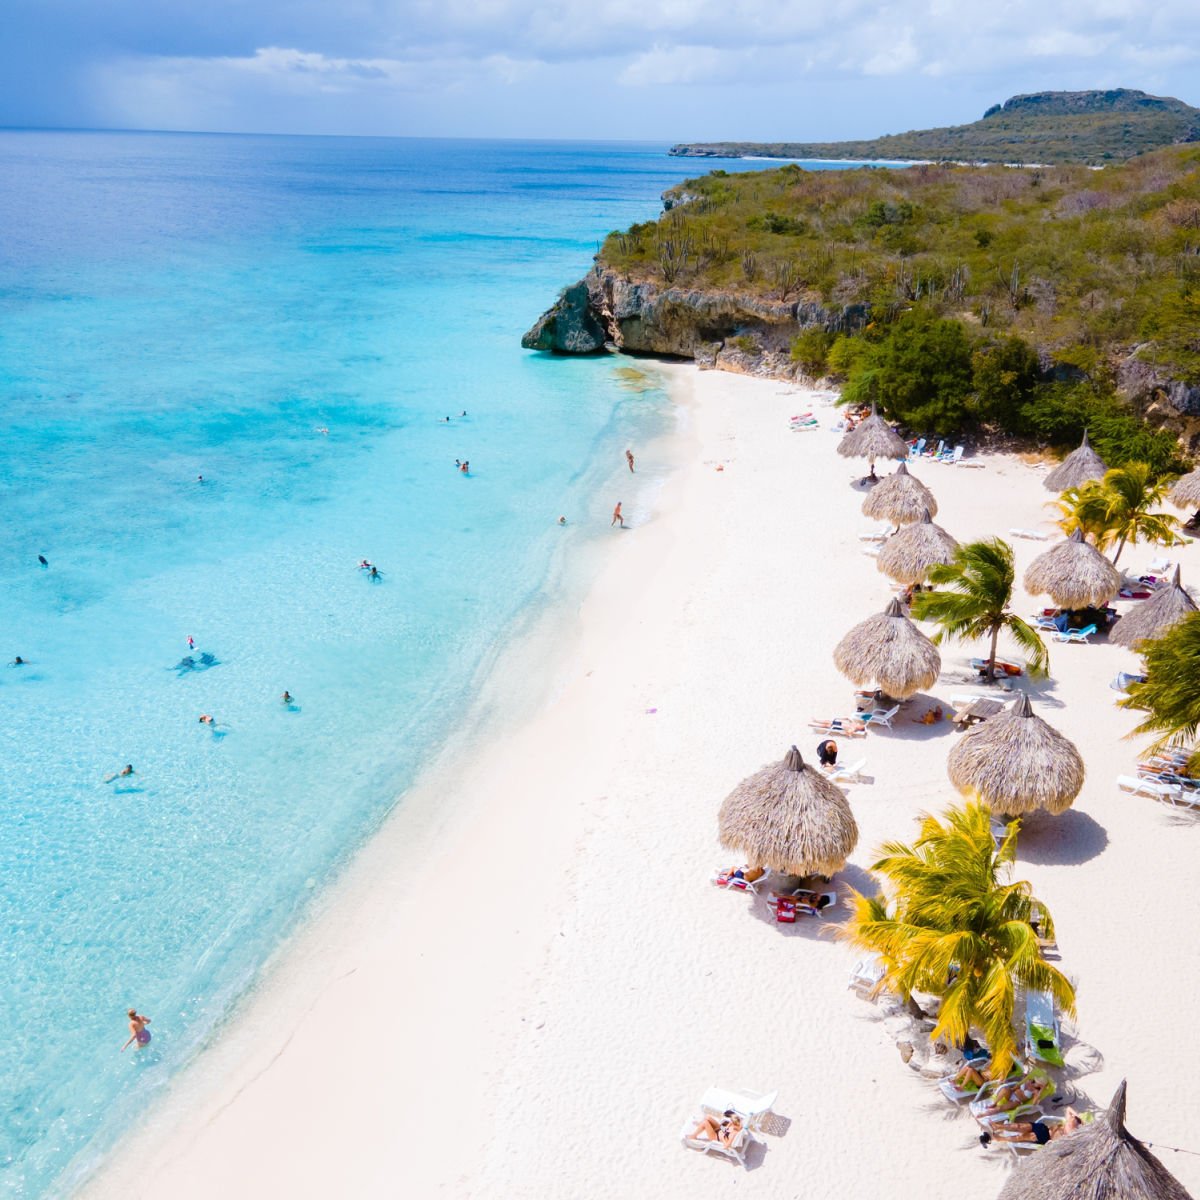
1075, 635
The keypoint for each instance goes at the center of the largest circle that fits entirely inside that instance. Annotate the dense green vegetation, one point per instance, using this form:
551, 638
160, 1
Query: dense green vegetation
1047, 127
961, 297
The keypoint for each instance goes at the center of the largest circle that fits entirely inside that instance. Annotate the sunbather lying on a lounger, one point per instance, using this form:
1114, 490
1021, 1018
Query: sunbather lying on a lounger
1032, 1131
724, 1131
1015, 1095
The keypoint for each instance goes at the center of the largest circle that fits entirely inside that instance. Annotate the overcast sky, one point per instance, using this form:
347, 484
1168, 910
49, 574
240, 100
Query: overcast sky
643, 69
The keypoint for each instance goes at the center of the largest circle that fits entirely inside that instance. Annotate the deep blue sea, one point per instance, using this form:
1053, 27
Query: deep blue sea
291, 319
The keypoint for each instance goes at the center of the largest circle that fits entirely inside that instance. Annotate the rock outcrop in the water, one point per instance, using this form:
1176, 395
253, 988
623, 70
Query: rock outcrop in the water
728, 330
569, 326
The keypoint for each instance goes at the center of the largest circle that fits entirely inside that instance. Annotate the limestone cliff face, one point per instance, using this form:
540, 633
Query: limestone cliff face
735, 331
723, 329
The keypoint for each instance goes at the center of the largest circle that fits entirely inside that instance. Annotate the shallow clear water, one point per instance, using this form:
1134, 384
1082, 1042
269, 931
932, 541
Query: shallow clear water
182, 305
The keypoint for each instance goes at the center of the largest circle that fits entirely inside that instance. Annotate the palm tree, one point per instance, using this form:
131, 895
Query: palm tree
954, 929
1169, 696
1117, 508
980, 583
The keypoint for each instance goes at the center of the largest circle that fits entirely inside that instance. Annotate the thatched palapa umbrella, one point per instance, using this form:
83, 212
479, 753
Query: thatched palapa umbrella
901, 498
1073, 574
873, 438
1077, 468
890, 650
1016, 763
1185, 493
907, 556
1100, 1161
789, 817
1153, 617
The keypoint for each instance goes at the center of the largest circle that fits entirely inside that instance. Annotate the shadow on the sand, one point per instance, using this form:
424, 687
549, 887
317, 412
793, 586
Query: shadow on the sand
1066, 840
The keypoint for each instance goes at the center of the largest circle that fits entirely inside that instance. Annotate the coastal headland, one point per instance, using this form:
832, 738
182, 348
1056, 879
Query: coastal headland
525, 982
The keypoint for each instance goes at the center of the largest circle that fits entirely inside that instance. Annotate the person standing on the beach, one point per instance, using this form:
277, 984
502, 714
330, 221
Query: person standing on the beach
137, 1030
629, 460
618, 519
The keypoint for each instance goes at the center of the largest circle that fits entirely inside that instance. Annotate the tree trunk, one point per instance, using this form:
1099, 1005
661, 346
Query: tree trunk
991, 666
1120, 547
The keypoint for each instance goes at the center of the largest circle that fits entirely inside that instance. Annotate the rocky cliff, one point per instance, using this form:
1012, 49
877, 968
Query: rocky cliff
723, 329
752, 335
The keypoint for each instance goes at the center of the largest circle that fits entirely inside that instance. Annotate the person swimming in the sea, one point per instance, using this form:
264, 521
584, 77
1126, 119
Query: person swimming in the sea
374, 574
286, 697
42, 560
18, 662
123, 773
137, 1030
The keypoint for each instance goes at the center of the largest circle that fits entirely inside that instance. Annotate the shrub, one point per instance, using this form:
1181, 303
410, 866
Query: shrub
810, 350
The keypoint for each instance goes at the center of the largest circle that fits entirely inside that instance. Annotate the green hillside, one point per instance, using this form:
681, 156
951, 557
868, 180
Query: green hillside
1085, 269
1046, 127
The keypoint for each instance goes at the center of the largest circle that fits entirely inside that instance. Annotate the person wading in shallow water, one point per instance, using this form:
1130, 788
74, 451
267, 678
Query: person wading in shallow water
617, 518
629, 460
137, 1030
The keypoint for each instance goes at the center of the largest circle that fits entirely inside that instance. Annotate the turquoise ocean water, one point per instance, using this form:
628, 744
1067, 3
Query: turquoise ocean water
174, 306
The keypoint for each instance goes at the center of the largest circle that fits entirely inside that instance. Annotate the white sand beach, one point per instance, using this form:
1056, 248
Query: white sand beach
525, 982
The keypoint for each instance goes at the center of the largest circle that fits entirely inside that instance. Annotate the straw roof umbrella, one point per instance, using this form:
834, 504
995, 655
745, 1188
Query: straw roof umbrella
1185, 493
1100, 1161
1155, 616
790, 817
890, 650
1073, 574
907, 556
1016, 763
900, 497
1077, 468
873, 438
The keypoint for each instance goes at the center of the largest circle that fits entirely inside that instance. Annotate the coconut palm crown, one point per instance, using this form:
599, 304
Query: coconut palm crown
1116, 509
971, 599
1169, 696
953, 928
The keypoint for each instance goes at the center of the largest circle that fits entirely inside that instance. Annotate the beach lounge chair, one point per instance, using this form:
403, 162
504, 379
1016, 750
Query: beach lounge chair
849, 774
843, 726
1149, 787
734, 880
881, 716
953, 458
1160, 566
1034, 535
991, 1092
1055, 624
735, 1150
1002, 667
1075, 635
865, 977
880, 533
873, 551
917, 448
1043, 1039
801, 903
956, 1092
1122, 681
934, 453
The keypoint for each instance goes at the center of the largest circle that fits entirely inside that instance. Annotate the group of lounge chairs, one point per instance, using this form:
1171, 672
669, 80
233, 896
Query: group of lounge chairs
941, 454
1003, 1108
857, 725
1166, 777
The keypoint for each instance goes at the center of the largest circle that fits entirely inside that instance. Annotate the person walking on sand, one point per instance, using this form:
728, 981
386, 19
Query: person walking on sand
137, 1030
618, 519
629, 460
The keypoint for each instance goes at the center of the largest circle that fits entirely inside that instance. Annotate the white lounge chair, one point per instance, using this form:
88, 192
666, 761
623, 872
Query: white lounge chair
880, 533
866, 976
881, 716
956, 1093
953, 459
715, 1103
1034, 535
849, 774
1075, 635
1160, 566
1043, 1038
873, 551
840, 726
1149, 787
